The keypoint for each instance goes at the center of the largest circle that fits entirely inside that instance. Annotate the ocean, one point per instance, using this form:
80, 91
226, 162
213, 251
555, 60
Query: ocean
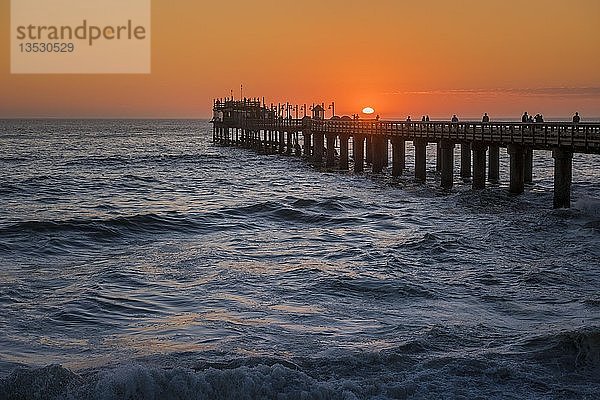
141, 261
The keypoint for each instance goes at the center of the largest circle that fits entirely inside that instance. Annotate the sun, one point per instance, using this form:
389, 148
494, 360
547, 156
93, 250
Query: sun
368, 110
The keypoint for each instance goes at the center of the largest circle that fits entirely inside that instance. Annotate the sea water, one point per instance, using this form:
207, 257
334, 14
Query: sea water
141, 261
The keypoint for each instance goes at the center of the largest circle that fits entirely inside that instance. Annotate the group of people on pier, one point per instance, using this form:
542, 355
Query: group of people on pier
526, 118
530, 119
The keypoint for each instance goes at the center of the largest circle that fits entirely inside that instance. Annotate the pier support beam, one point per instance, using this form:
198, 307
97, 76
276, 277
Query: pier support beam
494, 167
358, 147
398, 156
465, 161
307, 141
281, 142
319, 144
517, 176
563, 176
479, 150
420, 159
290, 143
330, 150
343, 152
438, 157
447, 164
379, 149
369, 149
528, 165
386, 153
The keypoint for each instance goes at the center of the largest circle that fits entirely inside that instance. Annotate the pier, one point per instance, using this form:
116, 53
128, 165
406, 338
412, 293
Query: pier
250, 123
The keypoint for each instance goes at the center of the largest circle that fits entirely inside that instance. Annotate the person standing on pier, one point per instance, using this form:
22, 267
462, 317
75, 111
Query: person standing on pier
485, 119
454, 118
525, 118
576, 118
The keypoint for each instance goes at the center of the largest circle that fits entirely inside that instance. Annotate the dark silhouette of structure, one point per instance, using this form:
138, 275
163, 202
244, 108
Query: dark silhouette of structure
248, 123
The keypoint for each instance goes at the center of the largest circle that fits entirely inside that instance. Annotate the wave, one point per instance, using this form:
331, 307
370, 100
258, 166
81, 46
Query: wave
576, 350
374, 288
143, 382
145, 159
113, 227
397, 373
275, 211
588, 206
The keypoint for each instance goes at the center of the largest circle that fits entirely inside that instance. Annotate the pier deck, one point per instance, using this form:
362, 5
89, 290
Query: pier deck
251, 124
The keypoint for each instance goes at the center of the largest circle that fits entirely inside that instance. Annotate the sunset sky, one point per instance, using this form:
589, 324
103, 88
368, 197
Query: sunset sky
435, 57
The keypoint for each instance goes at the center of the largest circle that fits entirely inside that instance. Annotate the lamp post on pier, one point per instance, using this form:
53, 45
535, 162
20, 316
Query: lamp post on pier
332, 108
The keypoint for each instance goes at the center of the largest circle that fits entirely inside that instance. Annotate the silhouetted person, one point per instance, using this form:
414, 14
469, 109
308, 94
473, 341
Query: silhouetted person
427, 118
576, 118
454, 118
530, 119
408, 119
377, 117
423, 119
485, 119
525, 117
541, 118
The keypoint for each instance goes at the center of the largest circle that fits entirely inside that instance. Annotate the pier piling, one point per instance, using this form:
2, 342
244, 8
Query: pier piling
494, 164
479, 158
358, 147
465, 161
398, 156
447, 164
420, 160
563, 175
517, 172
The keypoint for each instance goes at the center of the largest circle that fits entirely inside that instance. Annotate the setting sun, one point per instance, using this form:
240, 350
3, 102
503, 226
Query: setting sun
368, 110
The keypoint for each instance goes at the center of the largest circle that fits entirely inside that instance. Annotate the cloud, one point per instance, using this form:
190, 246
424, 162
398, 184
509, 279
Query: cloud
588, 92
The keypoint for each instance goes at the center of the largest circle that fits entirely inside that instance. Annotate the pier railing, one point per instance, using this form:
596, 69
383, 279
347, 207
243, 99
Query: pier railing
581, 138
578, 138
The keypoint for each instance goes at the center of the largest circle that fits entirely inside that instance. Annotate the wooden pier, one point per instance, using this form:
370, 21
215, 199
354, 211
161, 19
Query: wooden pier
250, 123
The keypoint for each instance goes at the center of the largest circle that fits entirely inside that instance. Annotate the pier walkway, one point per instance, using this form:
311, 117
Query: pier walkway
249, 123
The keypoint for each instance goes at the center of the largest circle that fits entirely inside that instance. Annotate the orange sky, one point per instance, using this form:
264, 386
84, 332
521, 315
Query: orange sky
402, 57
